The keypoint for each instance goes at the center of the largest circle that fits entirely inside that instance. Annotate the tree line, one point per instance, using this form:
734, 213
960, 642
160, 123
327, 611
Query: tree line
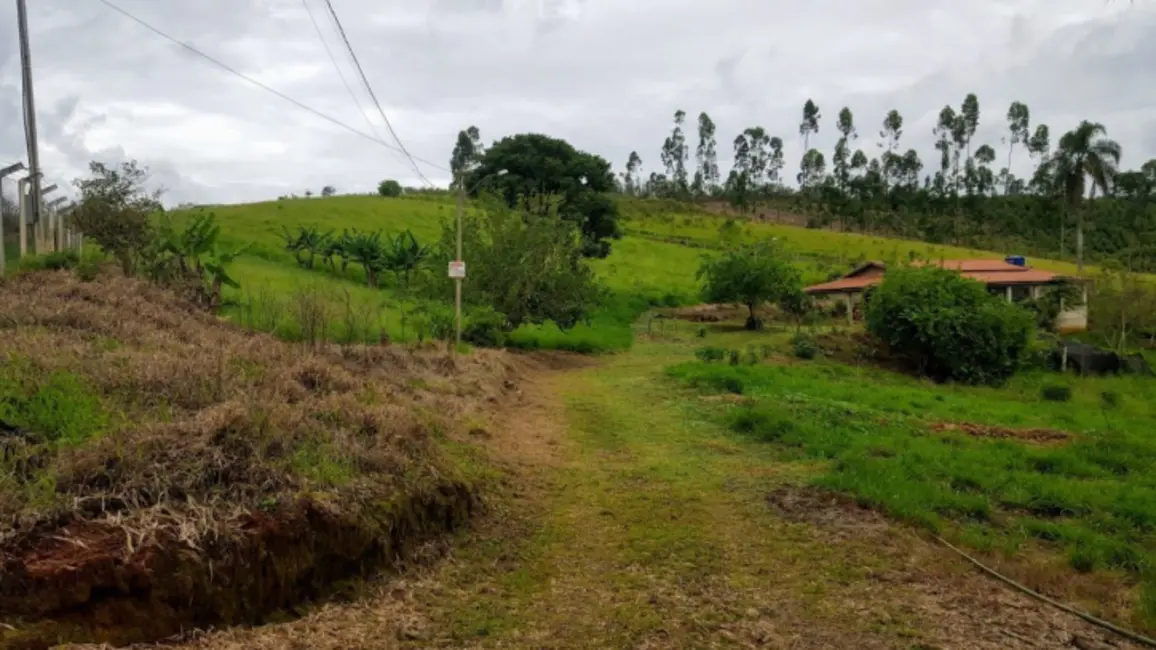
1075, 198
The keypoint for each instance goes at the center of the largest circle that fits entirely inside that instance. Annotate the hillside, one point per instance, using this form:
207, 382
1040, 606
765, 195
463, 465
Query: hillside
654, 263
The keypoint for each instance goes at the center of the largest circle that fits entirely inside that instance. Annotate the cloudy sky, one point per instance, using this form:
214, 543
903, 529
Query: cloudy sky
605, 74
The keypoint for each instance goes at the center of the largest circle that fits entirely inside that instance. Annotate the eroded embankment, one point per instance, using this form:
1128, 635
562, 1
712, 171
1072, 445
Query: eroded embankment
163, 470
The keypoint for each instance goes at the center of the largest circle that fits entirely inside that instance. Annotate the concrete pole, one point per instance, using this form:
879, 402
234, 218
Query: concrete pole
22, 204
29, 107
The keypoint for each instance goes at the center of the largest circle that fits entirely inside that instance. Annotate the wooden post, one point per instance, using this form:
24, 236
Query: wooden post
850, 308
1009, 293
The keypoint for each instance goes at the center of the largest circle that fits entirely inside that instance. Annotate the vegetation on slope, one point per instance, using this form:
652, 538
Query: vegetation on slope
154, 455
1075, 191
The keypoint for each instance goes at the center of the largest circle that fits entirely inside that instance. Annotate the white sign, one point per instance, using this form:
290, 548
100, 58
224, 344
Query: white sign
457, 269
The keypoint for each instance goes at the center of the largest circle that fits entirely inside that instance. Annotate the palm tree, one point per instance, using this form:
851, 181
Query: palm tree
1083, 155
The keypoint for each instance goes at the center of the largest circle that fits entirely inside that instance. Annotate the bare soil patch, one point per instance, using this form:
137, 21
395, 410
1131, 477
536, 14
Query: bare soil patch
235, 475
1037, 436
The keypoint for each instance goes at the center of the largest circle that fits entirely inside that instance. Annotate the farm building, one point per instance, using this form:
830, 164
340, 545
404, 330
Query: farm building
1011, 278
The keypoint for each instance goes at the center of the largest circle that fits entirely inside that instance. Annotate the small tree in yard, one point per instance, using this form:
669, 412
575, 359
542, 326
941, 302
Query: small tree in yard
751, 275
949, 326
389, 188
114, 211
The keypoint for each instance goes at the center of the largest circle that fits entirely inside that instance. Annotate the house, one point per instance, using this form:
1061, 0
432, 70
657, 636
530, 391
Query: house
1012, 278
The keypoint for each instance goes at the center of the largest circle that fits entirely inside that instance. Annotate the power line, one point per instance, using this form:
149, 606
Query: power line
274, 91
344, 81
365, 80
337, 67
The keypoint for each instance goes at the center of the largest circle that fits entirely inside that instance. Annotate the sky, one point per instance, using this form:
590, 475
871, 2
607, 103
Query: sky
606, 75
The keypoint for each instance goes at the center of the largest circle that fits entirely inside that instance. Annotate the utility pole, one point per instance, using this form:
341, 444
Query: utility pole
29, 110
458, 276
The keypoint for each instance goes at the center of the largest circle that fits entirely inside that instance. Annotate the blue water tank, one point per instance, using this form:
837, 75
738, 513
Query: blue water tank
1017, 260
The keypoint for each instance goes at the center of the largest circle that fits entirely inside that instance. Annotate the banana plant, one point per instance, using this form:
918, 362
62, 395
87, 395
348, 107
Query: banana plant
335, 247
216, 274
366, 249
405, 255
294, 243
188, 246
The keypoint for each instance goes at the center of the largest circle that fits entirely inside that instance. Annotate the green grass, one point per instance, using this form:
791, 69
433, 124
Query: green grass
1094, 497
57, 406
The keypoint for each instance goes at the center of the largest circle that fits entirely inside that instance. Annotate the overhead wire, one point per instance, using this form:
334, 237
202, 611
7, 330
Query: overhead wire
337, 67
369, 88
274, 91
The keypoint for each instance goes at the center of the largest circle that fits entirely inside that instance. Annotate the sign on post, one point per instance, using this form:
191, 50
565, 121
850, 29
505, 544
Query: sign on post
457, 269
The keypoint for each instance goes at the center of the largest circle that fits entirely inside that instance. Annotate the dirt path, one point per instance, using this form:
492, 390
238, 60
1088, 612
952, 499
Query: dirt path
621, 520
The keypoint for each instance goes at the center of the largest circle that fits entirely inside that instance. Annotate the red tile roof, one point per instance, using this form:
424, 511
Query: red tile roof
991, 272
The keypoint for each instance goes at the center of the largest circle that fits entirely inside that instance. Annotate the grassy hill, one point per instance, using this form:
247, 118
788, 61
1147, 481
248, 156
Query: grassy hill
654, 263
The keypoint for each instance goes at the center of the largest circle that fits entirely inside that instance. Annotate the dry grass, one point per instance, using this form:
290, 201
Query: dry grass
218, 442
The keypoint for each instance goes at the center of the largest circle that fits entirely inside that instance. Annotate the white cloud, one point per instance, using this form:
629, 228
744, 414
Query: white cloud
605, 74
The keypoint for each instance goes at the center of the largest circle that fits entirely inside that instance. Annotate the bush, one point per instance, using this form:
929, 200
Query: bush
88, 268
115, 211
436, 321
1109, 399
1056, 393
804, 346
949, 326
485, 327
389, 188
53, 261
710, 354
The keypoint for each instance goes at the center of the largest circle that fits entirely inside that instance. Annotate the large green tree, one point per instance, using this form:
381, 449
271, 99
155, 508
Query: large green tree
536, 164
1084, 161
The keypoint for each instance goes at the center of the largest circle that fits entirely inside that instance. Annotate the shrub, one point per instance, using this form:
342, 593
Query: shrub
389, 188
1109, 399
1056, 393
115, 210
804, 346
88, 268
485, 327
700, 332
709, 354
949, 326
436, 321
53, 261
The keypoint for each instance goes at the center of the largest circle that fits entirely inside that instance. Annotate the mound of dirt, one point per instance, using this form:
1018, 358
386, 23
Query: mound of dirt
1041, 436
162, 469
